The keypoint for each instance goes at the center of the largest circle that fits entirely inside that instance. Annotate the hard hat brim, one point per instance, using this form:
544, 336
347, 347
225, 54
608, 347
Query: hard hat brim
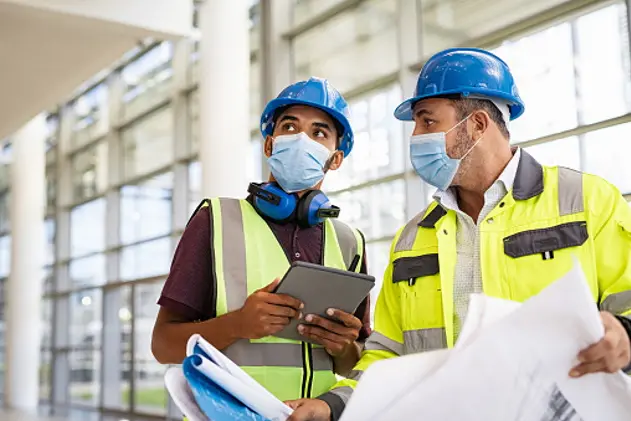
404, 111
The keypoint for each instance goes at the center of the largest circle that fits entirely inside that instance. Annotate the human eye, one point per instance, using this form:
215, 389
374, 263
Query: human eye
289, 127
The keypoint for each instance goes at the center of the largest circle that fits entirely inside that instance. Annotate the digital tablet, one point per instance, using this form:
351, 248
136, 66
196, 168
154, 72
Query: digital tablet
321, 288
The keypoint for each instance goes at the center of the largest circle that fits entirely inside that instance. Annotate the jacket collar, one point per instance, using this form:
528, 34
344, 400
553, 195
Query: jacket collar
528, 184
529, 178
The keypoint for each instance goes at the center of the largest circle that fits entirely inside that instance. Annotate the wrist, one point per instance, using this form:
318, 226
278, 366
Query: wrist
236, 325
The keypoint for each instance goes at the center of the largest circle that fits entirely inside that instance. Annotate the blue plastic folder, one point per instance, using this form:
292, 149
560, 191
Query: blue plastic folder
213, 400
208, 386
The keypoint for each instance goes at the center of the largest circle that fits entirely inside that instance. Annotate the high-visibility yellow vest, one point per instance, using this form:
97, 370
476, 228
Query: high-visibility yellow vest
247, 257
527, 242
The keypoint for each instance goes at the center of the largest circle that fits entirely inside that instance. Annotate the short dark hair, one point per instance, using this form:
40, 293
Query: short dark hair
338, 127
466, 106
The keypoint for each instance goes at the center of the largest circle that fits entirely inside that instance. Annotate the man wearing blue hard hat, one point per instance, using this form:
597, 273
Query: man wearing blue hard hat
500, 223
233, 251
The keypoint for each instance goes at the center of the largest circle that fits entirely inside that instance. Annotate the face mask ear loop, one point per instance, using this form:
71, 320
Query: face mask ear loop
471, 148
459, 123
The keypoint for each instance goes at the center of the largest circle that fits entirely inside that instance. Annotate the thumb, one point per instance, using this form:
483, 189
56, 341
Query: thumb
271, 287
293, 404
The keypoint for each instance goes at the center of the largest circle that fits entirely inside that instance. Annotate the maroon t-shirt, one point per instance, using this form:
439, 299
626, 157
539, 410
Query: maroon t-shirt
189, 289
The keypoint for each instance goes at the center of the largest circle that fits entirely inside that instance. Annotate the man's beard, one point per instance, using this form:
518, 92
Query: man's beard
463, 145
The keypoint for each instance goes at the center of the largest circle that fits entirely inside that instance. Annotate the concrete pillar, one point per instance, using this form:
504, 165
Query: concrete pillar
24, 293
224, 97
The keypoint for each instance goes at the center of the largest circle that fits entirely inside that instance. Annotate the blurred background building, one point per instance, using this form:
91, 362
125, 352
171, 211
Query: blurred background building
123, 169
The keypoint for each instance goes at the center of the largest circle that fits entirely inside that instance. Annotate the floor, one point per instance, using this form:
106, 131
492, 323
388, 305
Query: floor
20, 416
6, 415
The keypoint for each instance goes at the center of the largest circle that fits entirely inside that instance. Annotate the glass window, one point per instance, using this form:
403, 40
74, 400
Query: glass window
304, 10
378, 255
87, 228
5, 198
148, 144
150, 394
2, 369
5, 256
563, 152
193, 113
255, 23
45, 378
194, 186
145, 260
2, 313
52, 132
91, 116
377, 211
379, 146
51, 188
146, 209
448, 23
48, 279
5, 172
86, 318
47, 318
85, 377
118, 331
89, 171
352, 48
607, 154
49, 228
603, 64
88, 271
148, 80
543, 67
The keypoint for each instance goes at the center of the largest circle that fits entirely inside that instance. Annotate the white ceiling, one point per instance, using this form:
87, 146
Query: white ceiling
45, 55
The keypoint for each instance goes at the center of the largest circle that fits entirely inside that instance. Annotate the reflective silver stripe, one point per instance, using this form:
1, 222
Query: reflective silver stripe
355, 375
422, 340
234, 264
343, 393
347, 241
617, 303
378, 342
248, 354
570, 191
408, 235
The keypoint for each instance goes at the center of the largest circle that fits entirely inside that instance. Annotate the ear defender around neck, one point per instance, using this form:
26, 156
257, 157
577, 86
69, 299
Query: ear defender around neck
272, 202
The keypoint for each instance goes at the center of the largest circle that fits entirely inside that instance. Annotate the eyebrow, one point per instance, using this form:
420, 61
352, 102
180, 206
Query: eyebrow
421, 112
322, 125
288, 117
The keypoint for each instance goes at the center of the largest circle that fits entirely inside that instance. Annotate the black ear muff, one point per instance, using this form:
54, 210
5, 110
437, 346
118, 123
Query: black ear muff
304, 211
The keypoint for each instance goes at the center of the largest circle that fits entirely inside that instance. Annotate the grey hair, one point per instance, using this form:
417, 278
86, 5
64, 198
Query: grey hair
466, 106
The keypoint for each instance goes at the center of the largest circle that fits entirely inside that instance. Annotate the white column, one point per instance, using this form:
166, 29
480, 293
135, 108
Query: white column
27, 259
224, 84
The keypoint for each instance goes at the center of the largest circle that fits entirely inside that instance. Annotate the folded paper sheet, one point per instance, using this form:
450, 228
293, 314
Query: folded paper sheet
511, 363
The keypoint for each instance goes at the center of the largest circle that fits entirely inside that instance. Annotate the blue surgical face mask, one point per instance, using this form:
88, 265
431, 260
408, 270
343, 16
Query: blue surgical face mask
428, 153
297, 162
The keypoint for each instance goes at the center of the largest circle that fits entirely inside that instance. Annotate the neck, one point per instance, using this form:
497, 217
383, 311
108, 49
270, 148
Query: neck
471, 194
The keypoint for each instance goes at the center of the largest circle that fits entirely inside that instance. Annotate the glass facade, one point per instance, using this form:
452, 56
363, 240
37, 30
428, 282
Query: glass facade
123, 173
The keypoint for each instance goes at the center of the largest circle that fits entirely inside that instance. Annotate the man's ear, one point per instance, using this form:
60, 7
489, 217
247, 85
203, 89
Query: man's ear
481, 122
335, 162
268, 146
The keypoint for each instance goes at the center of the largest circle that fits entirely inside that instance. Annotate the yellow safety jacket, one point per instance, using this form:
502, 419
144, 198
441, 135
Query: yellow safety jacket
526, 243
246, 257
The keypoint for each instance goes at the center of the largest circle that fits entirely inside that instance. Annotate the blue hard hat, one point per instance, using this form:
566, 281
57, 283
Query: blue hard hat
317, 93
464, 71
